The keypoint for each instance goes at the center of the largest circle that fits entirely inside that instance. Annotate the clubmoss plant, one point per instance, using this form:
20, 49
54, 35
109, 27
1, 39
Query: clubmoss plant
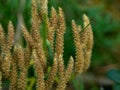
14, 64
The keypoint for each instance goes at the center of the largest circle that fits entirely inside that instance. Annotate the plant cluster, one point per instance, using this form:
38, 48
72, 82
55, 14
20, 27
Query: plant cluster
15, 59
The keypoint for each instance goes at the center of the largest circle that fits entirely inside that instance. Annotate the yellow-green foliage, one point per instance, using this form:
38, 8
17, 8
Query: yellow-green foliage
19, 59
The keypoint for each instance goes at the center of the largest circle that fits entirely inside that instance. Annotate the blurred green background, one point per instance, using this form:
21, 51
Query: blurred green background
104, 72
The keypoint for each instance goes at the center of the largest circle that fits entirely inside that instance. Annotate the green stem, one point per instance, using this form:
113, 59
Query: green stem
44, 31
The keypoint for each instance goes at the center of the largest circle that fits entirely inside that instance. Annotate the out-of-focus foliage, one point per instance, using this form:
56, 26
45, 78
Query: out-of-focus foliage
106, 37
10, 9
78, 83
115, 76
